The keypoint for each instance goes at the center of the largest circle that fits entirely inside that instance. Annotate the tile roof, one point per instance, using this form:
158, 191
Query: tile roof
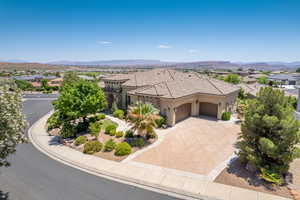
173, 84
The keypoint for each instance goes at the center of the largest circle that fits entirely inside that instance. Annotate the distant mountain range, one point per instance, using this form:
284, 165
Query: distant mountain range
157, 63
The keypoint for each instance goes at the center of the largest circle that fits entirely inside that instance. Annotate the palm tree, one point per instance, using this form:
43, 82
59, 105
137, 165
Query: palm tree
142, 117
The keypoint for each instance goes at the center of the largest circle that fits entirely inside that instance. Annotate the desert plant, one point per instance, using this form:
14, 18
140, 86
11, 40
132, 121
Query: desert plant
81, 127
92, 147
68, 130
80, 140
122, 149
226, 116
129, 134
109, 145
114, 107
142, 116
119, 134
112, 132
54, 121
152, 135
160, 121
119, 114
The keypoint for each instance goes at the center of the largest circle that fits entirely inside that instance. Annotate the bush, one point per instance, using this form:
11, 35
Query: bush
112, 132
110, 145
80, 140
119, 134
92, 119
82, 127
110, 128
92, 147
100, 116
160, 122
129, 134
123, 149
270, 176
95, 128
138, 142
152, 135
226, 116
54, 121
67, 131
119, 114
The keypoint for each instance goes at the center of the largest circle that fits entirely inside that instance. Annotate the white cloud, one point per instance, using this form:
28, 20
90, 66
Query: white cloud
163, 46
104, 42
192, 50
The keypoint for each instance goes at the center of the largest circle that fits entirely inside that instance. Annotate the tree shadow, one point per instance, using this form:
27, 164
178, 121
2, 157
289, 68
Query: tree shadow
55, 140
4, 195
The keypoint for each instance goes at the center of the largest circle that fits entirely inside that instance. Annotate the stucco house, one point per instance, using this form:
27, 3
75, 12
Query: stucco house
176, 94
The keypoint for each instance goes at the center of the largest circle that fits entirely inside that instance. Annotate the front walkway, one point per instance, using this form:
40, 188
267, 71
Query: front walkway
158, 180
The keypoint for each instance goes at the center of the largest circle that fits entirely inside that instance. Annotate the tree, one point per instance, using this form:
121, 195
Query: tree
114, 107
269, 134
298, 70
242, 95
263, 80
24, 85
44, 84
232, 78
69, 78
80, 99
142, 116
12, 123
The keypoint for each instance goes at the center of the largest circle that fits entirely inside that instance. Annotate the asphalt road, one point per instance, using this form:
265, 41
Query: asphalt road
34, 176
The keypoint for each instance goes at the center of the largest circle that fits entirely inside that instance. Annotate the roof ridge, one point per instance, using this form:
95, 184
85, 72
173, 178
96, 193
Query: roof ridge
214, 85
168, 89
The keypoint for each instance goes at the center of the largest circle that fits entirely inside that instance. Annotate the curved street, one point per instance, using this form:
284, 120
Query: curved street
34, 176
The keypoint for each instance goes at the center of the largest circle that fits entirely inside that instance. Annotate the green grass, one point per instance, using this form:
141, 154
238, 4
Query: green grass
107, 122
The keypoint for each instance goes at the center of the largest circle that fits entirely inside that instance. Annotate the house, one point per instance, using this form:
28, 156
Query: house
176, 94
55, 82
285, 79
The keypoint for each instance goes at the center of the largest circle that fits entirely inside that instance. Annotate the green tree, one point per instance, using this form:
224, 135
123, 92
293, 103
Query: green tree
242, 95
142, 116
269, 134
44, 84
263, 80
69, 78
24, 85
12, 123
80, 99
298, 70
232, 78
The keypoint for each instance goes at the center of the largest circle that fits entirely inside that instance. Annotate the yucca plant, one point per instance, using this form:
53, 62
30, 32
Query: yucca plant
142, 117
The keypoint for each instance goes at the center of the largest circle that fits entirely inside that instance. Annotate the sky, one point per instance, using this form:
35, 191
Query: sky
168, 30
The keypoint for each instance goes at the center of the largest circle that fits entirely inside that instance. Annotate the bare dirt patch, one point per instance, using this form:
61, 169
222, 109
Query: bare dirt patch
237, 175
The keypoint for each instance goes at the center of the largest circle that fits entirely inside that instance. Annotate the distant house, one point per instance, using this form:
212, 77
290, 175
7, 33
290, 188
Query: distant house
285, 79
176, 94
33, 78
55, 82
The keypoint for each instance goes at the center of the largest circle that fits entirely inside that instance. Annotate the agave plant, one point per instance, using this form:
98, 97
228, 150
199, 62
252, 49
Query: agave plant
142, 117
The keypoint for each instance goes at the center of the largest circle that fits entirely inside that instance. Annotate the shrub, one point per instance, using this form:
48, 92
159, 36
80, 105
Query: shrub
114, 107
92, 119
152, 135
138, 142
129, 134
119, 114
109, 128
110, 145
67, 131
100, 116
112, 132
80, 140
270, 176
54, 121
226, 116
119, 134
160, 121
81, 127
123, 149
95, 128
92, 147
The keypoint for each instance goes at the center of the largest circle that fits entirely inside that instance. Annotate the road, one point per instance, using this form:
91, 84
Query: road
34, 176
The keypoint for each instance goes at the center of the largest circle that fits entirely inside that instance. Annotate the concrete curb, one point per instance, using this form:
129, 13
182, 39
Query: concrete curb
168, 184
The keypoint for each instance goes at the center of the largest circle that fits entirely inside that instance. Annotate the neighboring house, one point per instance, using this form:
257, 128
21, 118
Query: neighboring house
55, 82
36, 84
176, 94
251, 89
285, 79
33, 78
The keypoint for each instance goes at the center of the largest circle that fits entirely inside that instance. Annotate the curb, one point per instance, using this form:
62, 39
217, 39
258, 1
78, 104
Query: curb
112, 176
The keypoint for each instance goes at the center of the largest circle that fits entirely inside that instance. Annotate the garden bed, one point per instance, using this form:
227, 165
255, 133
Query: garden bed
236, 175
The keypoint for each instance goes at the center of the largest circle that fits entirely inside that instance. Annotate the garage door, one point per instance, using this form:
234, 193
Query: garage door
183, 111
208, 109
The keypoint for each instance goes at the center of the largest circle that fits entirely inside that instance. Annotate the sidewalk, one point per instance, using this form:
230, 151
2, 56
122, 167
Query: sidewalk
154, 179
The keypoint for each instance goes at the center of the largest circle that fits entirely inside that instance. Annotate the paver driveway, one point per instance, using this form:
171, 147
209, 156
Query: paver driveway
196, 145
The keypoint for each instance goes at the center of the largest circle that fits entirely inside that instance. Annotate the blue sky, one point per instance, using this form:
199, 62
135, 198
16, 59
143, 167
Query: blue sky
170, 30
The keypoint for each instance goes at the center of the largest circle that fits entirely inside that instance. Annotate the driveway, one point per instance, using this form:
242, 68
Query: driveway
196, 145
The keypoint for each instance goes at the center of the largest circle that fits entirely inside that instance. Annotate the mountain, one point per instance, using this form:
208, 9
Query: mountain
109, 62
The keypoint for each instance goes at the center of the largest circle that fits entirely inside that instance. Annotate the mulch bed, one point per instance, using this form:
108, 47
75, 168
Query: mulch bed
237, 175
